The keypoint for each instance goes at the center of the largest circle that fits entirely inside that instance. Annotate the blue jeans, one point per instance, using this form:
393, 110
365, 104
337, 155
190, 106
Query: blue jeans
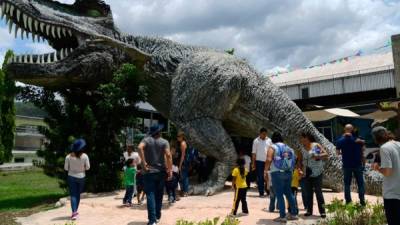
272, 199
128, 194
260, 166
76, 186
184, 179
348, 174
281, 182
154, 189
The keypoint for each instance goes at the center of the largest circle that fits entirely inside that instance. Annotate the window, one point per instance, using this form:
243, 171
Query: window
19, 160
305, 93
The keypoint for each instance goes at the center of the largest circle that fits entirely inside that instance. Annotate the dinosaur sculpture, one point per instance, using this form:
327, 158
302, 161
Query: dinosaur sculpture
207, 93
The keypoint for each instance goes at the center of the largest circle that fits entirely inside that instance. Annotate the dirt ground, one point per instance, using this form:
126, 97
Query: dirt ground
106, 209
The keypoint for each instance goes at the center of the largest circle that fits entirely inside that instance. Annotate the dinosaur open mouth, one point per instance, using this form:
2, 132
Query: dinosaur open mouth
23, 24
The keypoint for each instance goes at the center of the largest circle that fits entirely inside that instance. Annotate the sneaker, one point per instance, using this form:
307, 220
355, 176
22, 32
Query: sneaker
323, 215
74, 216
292, 217
280, 220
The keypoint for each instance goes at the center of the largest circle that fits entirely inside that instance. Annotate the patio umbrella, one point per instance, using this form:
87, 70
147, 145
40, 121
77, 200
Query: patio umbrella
327, 114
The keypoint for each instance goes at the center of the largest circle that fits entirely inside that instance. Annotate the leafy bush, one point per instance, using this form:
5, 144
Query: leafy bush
354, 214
227, 221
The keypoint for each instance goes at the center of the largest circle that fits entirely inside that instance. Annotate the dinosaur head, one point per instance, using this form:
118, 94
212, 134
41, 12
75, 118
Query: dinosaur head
67, 28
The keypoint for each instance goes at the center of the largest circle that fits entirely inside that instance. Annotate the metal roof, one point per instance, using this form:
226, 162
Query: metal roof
354, 66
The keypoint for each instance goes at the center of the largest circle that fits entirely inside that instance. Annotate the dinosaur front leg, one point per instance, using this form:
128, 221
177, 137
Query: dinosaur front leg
210, 137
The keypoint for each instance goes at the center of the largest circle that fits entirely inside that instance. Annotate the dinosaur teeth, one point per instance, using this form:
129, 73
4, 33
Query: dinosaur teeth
3, 10
16, 30
48, 30
41, 25
10, 25
59, 32
7, 7
22, 34
11, 10
36, 23
25, 18
18, 15
53, 31
30, 24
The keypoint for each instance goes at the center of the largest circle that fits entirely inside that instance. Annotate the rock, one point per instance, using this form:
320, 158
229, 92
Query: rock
62, 202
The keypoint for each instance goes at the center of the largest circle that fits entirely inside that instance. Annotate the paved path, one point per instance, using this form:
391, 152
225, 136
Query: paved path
107, 210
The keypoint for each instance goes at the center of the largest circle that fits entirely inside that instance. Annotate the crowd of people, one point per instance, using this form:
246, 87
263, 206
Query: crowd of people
280, 171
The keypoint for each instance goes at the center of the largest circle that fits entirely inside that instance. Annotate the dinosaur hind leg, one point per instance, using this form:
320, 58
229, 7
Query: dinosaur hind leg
209, 136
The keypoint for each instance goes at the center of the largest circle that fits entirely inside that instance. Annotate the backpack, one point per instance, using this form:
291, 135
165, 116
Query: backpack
284, 158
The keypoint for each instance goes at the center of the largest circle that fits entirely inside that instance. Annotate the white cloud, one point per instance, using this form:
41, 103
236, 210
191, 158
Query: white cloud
39, 48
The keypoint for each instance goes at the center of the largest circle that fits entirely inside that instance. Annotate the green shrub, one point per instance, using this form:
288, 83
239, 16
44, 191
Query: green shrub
215, 221
354, 214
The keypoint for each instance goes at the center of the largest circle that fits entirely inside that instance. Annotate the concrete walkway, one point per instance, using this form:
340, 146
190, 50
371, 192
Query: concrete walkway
106, 210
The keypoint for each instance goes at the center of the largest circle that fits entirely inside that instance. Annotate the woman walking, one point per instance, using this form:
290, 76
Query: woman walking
183, 153
281, 162
314, 161
76, 163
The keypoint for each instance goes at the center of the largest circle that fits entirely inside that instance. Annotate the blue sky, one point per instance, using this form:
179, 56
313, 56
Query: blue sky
269, 34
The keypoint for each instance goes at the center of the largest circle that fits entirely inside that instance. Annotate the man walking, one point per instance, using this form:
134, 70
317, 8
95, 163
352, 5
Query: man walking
351, 149
154, 150
259, 156
390, 168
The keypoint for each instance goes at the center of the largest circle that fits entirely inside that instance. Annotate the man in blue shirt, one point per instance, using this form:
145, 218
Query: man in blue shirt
351, 149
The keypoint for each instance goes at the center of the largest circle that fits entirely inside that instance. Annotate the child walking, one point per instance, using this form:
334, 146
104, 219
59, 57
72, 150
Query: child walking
172, 184
130, 181
295, 186
139, 185
240, 186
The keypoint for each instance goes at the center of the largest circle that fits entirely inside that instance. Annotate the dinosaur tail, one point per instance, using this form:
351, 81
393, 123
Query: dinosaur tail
283, 115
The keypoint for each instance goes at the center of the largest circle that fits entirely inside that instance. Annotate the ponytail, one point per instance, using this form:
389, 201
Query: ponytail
242, 170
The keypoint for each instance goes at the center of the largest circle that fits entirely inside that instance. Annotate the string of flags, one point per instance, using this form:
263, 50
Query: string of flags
340, 60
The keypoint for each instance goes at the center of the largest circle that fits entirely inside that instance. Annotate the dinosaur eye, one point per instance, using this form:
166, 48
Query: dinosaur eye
93, 13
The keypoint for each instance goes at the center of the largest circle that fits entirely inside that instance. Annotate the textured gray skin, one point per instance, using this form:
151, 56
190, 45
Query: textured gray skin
208, 94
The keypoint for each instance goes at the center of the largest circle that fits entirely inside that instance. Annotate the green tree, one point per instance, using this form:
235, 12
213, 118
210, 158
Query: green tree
98, 116
8, 91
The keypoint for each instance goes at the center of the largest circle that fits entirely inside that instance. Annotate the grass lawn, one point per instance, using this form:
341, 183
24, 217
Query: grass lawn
26, 192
